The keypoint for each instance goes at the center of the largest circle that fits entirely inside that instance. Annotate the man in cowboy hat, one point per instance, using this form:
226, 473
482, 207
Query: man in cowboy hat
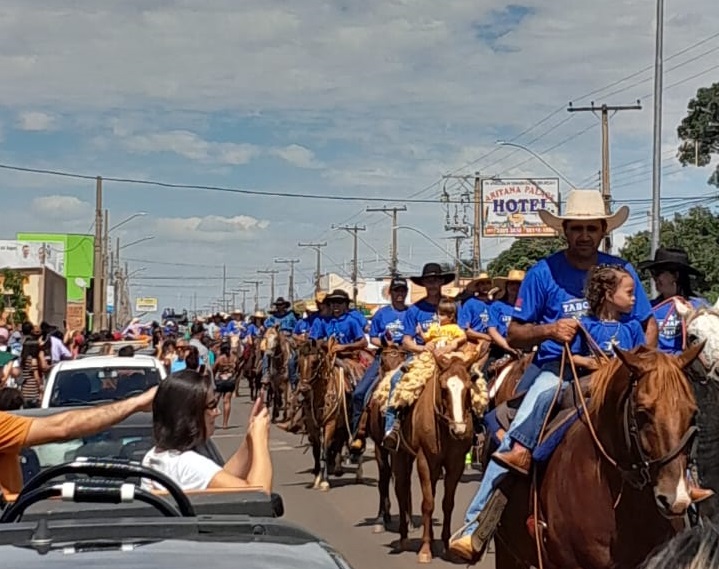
341, 325
417, 320
474, 314
285, 320
673, 273
478, 287
500, 315
550, 299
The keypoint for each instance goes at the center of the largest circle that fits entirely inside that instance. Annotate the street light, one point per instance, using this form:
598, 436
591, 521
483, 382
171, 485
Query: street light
428, 238
538, 157
124, 221
142, 240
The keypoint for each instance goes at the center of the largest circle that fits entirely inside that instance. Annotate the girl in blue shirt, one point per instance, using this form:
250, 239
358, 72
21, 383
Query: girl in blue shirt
610, 295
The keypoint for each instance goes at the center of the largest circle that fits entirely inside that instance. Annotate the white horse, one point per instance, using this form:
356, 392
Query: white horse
702, 325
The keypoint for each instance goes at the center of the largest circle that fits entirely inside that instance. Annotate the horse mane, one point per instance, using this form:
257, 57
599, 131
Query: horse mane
668, 381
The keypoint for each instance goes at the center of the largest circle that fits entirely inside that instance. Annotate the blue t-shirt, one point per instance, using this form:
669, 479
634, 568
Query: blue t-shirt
607, 334
421, 313
671, 336
302, 326
251, 330
345, 329
286, 322
500, 314
474, 315
361, 318
388, 320
552, 289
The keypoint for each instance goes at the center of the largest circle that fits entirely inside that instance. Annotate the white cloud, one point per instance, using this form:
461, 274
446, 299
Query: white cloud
62, 207
297, 156
35, 121
210, 228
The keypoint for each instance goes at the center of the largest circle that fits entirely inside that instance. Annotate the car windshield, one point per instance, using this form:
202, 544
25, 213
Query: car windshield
91, 385
104, 554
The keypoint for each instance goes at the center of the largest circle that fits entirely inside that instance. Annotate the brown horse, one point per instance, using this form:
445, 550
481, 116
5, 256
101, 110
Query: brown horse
391, 359
437, 431
615, 487
277, 347
325, 409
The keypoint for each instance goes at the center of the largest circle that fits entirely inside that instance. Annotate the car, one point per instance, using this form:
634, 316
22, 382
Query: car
96, 348
100, 379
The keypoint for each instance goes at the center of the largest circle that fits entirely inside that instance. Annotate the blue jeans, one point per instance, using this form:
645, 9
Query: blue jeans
390, 414
525, 429
363, 389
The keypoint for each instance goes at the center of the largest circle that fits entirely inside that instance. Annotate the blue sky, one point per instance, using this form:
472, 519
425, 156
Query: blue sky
325, 98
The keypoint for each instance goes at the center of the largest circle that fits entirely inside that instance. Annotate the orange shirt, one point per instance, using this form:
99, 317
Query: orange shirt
13, 434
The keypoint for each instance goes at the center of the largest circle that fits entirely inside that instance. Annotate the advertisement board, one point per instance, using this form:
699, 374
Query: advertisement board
28, 254
510, 206
146, 304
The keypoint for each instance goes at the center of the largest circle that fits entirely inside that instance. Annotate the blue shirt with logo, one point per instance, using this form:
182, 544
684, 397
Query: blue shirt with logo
252, 331
345, 329
361, 318
286, 323
671, 334
388, 320
500, 314
553, 289
421, 313
606, 334
302, 326
474, 315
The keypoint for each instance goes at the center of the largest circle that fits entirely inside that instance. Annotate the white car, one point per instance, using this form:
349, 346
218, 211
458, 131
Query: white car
100, 379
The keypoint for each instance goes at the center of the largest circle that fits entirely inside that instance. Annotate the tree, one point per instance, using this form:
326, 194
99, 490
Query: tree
13, 299
699, 130
697, 232
524, 253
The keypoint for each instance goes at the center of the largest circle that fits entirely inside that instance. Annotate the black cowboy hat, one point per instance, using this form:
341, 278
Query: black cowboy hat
433, 270
671, 259
337, 294
280, 302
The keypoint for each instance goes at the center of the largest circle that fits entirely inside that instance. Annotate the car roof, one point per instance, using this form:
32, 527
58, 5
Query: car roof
138, 360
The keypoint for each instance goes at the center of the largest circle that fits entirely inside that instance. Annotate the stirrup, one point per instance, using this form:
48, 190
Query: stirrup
487, 521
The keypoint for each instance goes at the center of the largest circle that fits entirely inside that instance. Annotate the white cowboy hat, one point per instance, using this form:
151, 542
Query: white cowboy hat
585, 205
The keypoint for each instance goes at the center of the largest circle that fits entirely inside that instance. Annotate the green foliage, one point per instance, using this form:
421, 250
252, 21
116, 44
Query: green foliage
14, 298
699, 130
696, 231
523, 253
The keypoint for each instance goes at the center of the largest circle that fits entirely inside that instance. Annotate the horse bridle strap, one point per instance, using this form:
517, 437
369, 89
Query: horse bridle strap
640, 474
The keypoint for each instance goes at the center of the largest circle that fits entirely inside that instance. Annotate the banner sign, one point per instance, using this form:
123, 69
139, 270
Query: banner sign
510, 206
25, 254
146, 304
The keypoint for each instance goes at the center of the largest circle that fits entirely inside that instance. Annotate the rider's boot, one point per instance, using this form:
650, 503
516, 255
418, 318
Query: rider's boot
518, 458
392, 438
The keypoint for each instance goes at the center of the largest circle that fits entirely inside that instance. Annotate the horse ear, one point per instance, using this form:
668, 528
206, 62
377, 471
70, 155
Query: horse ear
690, 354
629, 359
684, 309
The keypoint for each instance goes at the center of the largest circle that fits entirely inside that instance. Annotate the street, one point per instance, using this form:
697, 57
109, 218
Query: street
343, 516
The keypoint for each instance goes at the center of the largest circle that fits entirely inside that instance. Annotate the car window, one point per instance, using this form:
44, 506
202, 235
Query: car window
91, 385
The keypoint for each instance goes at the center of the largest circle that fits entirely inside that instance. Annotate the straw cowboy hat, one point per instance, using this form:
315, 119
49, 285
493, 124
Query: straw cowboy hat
311, 306
481, 277
433, 270
670, 259
452, 292
320, 297
584, 205
259, 314
499, 284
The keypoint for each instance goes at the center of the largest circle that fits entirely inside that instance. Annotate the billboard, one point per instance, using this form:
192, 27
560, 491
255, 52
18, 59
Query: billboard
146, 304
25, 254
510, 206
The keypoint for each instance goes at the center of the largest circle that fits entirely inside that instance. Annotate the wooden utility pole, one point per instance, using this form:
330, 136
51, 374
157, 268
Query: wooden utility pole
272, 273
291, 263
244, 292
318, 273
105, 265
97, 265
257, 292
604, 117
353, 229
392, 212
457, 266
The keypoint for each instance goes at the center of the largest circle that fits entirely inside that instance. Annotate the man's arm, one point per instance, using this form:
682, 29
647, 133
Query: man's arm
525, 335
83, 422
409, 344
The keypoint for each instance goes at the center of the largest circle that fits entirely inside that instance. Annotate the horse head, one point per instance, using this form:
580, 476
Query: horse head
702, 325
272, 340
309, 358
455, 397
645, 403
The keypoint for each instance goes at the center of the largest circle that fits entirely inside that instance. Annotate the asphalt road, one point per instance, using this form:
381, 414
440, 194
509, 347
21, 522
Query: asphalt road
344, 515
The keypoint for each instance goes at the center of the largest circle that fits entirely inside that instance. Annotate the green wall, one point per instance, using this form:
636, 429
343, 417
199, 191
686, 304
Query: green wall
79, 254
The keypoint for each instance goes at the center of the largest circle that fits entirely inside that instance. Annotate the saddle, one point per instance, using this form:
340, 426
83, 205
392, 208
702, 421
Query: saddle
353, 368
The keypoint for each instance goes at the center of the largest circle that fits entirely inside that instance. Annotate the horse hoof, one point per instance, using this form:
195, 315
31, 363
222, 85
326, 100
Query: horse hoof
378, 528
316, 483
424, 557
324, 486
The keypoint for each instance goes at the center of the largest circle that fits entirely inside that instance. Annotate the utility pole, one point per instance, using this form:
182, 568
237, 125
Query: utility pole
656, 223
257, 292
606, 190
291, 263
457, 266
475, 229
224, 288
318, 272
392, 212
97, 259
105, 247
272, 273
244, 292
353, 229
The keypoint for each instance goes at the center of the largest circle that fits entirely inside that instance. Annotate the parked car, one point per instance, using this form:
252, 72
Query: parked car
100, 379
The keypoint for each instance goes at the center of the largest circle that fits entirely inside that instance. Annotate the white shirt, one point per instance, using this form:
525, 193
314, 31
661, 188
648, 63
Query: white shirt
189, 470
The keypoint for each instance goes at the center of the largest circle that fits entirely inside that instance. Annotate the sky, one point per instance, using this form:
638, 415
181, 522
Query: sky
377, 100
